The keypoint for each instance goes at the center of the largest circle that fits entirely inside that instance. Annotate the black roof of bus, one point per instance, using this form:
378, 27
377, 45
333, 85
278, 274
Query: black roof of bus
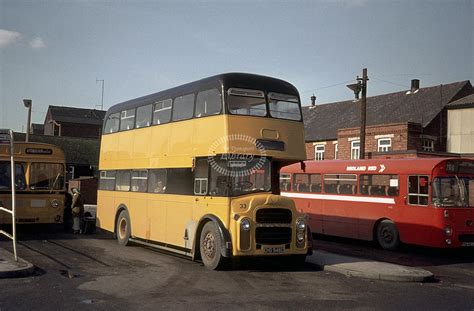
238, 80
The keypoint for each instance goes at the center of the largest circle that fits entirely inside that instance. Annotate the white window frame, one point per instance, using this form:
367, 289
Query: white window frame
384, 147
355, 150
336, 150
427, 144
203, 185
319, 154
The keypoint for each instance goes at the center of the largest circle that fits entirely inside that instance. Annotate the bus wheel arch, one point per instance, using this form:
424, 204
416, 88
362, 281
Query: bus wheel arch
224, 236
386, 234
123, 226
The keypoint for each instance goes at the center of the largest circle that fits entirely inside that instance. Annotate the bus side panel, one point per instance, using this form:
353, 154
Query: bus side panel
141, 148
106, 210
159, 145
338, 219
179, 212
156, 210
137, 207
313, 208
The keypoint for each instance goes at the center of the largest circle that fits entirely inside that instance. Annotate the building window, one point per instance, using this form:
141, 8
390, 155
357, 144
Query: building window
427, 144
384, 144
355, 149
336, 151
319, 152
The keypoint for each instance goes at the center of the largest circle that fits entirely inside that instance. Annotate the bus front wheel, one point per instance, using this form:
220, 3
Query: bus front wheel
123, 228
210, 247
387, 235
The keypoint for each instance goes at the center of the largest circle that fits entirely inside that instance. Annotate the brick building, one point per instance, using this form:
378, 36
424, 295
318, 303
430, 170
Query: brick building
402, 124
73, 122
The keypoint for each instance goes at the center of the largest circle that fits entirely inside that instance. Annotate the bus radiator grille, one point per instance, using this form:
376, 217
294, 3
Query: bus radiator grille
272, 235
273, 216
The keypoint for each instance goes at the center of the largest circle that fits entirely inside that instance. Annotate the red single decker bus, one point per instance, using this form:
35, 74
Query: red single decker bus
423, 201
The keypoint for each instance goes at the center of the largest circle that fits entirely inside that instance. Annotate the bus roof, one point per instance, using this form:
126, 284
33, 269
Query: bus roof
34, 149
239, 80
382, 166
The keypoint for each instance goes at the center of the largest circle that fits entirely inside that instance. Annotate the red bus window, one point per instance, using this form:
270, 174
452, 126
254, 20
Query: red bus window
418, 190
340, 183
315, 183
379, 185
301, 183
285, 182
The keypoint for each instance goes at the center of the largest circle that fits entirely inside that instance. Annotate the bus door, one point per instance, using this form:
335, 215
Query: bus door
416, 219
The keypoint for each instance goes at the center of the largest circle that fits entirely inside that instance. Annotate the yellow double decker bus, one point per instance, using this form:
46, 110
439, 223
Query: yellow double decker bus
194, 169
39, 183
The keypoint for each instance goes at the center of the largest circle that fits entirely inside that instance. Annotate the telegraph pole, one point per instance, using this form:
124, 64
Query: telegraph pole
361, 85
102, 102
28, 103
363, 111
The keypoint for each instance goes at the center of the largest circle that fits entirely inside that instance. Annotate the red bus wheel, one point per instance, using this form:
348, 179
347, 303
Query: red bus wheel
387, 235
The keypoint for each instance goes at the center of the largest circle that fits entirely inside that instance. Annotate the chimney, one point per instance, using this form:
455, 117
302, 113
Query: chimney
415, 85
313, 100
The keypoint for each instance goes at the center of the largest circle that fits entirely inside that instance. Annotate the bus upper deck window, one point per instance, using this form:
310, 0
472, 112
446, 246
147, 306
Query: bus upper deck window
246, 102
183, 107
284, 106
127, 119
144, 114
112, 123
208, 103
162, 111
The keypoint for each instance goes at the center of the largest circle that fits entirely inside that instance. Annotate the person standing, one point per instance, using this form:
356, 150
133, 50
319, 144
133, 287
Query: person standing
77, 210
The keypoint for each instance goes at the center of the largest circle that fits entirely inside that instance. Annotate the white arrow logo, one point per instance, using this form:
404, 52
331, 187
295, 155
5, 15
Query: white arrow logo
382, 168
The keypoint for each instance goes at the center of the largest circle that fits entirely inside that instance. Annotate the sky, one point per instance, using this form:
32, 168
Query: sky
53, 52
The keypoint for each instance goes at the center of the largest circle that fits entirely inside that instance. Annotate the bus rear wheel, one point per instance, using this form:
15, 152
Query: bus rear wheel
387, 235
210, 247
123, 230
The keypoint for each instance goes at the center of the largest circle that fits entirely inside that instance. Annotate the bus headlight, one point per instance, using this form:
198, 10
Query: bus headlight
300, 237
448, 231
300, 225
245, 224
55, 203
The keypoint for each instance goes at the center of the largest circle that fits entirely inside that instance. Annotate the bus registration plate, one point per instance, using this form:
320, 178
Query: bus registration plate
274, 250
467, 244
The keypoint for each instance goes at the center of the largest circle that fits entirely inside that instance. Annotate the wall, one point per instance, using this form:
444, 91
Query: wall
404, 137
460, 130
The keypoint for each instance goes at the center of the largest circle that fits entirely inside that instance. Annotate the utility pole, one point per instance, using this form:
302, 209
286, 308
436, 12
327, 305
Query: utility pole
363, 111
28, 103
102, 102
361, 85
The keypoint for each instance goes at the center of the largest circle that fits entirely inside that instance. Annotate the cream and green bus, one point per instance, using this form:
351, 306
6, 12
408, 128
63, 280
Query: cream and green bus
194, 170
